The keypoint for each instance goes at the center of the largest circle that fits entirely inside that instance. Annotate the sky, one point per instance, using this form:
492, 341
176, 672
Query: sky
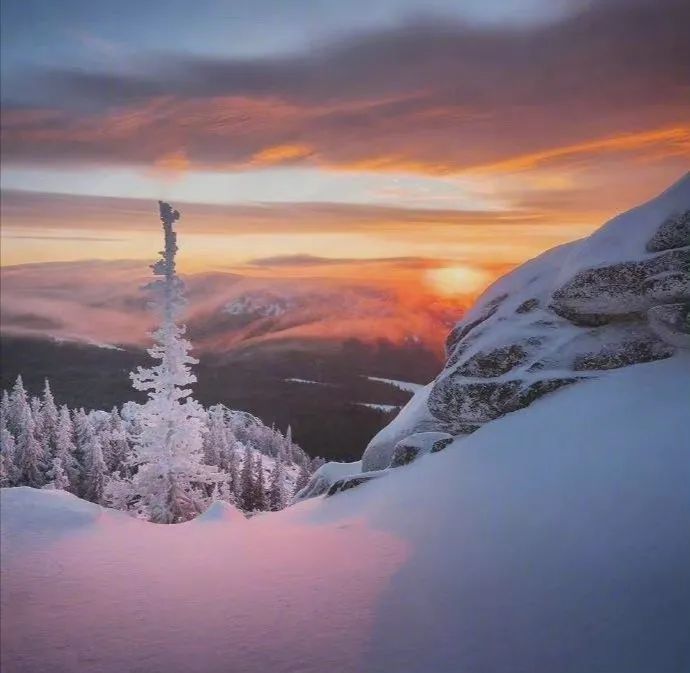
318, 138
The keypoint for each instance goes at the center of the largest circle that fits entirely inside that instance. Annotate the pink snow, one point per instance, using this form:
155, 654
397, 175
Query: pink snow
553, 539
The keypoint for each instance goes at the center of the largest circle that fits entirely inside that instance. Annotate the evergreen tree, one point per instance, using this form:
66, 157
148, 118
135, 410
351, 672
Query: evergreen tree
65, 449
58, 476
168, 451
29, 453
259, 503
118, 447
233, 472
81, 425
18, 404
4, 406
95, 469
8, 468
215, 439
247, 489
49, 419
277, 497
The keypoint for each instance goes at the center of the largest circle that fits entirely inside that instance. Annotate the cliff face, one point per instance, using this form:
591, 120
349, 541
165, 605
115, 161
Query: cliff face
615, 299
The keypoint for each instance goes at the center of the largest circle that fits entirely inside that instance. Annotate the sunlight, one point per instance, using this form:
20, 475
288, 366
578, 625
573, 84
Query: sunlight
452, 280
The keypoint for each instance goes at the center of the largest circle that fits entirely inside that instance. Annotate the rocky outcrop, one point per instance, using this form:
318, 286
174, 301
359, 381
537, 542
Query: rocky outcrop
623, 290
416, 445
671, 322
352, 482
464, 407
634, 350
673, 233
616, 299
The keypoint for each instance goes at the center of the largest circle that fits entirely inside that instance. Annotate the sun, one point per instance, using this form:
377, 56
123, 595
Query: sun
452, 280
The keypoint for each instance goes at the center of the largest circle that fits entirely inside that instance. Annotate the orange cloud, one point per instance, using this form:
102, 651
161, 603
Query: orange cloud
172, 164
663, 142
281, 154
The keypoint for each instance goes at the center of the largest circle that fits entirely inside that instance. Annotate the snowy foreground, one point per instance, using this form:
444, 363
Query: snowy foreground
552, 540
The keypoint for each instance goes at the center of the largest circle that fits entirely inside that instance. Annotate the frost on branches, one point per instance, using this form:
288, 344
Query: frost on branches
169, 449
165, 460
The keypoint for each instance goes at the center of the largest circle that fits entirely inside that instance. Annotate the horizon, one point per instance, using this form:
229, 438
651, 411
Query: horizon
344, 145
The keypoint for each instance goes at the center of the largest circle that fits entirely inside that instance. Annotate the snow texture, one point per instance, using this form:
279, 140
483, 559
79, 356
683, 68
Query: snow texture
407, 386
538, 543
386, 408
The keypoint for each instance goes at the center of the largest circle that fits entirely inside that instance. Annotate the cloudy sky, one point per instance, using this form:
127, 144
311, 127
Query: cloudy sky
313, 137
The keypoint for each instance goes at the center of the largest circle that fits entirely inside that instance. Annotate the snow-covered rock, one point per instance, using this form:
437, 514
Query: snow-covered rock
414, 446
322, 480
617, 298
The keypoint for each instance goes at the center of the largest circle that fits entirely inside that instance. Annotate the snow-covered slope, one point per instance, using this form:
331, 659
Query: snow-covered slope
538, 543
615, 299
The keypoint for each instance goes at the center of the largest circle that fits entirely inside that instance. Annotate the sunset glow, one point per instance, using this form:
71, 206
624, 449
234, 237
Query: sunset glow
460, 147
456, 280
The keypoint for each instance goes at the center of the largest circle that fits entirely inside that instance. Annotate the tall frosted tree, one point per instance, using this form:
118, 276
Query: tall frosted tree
17, 406
169, 449
50, 414
65, 449
215, 438
29, 453
247, 489
277, 495
95, 469
8, 469
118, 447
259, 485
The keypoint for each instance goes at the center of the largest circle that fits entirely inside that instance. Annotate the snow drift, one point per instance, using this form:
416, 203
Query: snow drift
538, 543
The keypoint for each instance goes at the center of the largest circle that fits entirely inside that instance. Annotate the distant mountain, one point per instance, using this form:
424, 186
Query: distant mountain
84, 325
102, 303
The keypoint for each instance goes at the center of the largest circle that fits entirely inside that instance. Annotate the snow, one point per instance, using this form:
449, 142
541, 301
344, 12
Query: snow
326, 476
386, 408
413, 417
259, 304
624, 237
220, 512
552, 539
407, 386
308, 381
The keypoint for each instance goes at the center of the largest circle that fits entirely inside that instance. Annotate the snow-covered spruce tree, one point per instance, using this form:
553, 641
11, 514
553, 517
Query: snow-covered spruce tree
277, 496
233, 478
247, 490
168, 452
50, 419
29, 453
95, 469
65, 449
57, 476
17, 406
115, 437
260, 503
215, 438
8, 469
